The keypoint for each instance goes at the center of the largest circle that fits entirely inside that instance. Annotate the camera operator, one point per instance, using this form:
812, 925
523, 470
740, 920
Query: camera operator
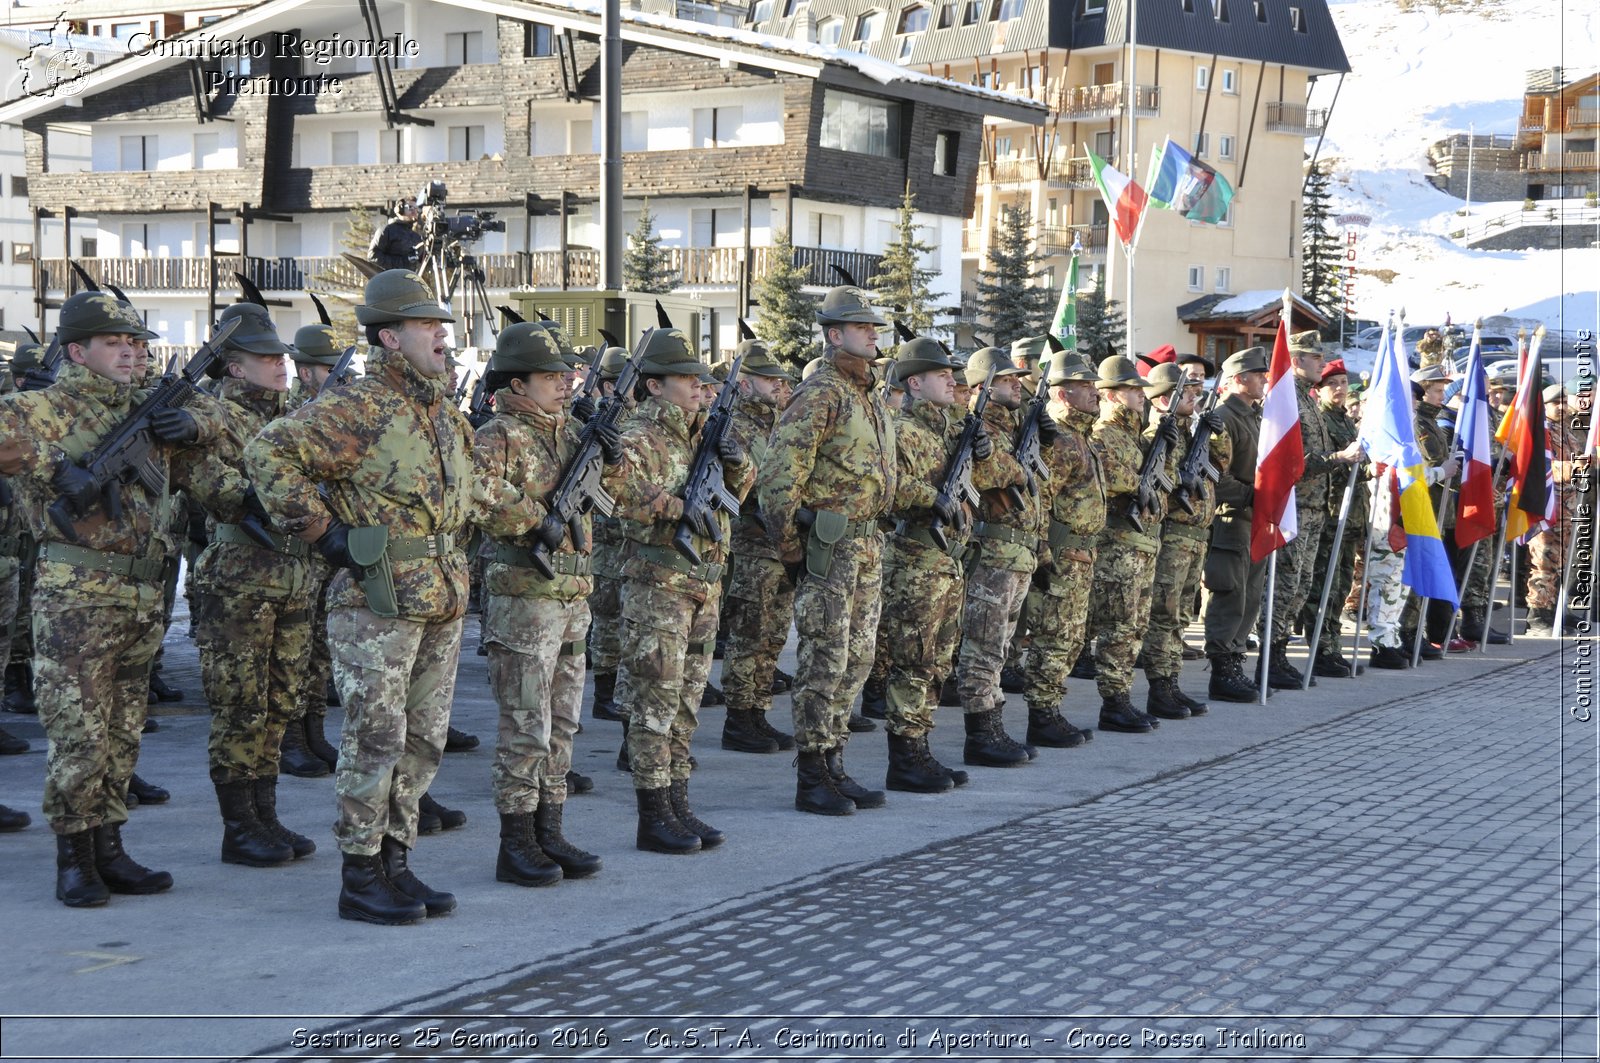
395, 245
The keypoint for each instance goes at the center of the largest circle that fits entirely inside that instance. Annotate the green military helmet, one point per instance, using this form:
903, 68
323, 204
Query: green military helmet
1066, 366
667, 353
979, 364
612, 362
255, 334
586, 354
315, 345
569, 354
921, 355
846, 305
96, 314
26, 357
525, 347
1119, 372
1249, 360
1166, 378
758, 360
1028, 349
399, 295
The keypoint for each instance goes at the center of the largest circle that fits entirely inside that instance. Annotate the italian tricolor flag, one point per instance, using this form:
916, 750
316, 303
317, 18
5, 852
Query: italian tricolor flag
1124, 198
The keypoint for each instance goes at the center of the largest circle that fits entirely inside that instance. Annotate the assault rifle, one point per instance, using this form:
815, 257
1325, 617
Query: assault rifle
705, 493
1196, 467
957, 483
1027, 452
1153, 478
128, 453
478, 410
341, 373
579, 490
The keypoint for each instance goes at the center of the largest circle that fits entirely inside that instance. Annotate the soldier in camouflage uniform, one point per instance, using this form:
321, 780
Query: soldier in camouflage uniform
923, 588
999, 569
96, 606
1232, 578
1547, 551
833, 478
26, 375
670, 606
1125, 557
13, 520
760, 601
1183, 550
396, 459
1296, 579
534, 626
610, 555
1330, 662
1076, 497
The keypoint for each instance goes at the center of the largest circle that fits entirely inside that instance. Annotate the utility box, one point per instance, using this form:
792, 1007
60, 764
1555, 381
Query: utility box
581, 314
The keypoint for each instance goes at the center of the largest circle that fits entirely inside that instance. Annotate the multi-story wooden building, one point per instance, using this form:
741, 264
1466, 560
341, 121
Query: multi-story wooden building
1556, 135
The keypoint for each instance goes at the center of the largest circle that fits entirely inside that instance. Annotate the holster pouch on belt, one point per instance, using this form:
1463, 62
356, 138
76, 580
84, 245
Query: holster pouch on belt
369, 548
827, 528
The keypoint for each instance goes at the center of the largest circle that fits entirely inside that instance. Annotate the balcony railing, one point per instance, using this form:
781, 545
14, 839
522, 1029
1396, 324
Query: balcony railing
1582, 117
1296, 119
1063, 171
1106, 101
1558, 162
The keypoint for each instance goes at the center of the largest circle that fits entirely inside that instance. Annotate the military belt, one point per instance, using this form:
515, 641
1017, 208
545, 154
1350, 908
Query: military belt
566, 564
860, 529
1061, 538
142, 569
1186, 531
283, 544
922, 534
986, 530
414, 547
668, 558
574, 648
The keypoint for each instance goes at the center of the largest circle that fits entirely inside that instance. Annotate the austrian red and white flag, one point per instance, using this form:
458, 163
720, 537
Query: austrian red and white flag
1280, 456
1125, 200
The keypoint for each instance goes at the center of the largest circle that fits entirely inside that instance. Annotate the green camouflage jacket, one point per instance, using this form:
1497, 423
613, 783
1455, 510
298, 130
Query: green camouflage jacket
68, 419
996, 506
833, 449
752, 425
1434, 442
392, 452
1341, 433
1312, 487
1077, 484
1205, 504
520, 454
925, 437
1118, 439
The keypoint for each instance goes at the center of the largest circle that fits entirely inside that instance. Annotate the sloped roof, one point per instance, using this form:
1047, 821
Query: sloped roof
1192, 26
1244, 307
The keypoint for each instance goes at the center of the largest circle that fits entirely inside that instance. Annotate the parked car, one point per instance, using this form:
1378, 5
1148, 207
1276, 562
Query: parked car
1367, 339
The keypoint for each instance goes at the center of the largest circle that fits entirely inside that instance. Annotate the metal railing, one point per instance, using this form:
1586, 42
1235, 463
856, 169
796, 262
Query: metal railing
1556, 212
1557, 161
1296, 119
1105, 101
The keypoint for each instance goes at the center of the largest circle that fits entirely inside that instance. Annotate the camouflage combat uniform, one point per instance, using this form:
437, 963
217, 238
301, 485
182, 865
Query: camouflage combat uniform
1547, 551
1341, 433
1232, 579
1181, 560
317, 674
1297, 577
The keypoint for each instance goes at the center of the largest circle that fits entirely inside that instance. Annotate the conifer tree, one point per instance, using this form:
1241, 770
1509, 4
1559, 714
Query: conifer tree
902, 280
646, 265
1008, 295
1102, 328
1321, 261
788, 318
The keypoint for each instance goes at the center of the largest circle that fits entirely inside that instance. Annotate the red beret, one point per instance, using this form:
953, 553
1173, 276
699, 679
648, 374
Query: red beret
1333, 368
1160, 356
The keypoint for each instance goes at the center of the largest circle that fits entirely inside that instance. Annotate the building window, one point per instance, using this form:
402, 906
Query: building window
1261, 11
717, 127
829, 32
538, 40
1219, 10
346, 149
1202, 145
1197, 278
791, 8
462, 49
1188, 7
466, 142
1224, 279
88, 247
294, 152
205, 150
389, 145
826, 230
21, 254
1202, 78
861, 124
947, 16
1230, 81
19, 186
135, 240
1010, 9
580, 136
1297, 20
1094, 7
945, 152
760, 11
1224, 146
635, 131
971, 12
123, 30
138, 153
1227, 217
1105, 145
868, 26
913, 19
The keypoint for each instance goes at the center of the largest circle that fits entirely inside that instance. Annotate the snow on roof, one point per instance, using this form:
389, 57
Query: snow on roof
1250, 302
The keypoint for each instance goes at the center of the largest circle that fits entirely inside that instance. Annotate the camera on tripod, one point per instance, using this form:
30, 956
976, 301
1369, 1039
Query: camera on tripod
465, 226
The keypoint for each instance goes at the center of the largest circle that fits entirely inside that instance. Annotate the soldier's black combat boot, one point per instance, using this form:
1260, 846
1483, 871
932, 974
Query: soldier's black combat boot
678, 795
1281, 675
1084, 667
265, 789
396, 870
148, 793
331, 695
1330, 666
875, 698
950, 693
11, 745
317, 740
1167, 702
19, 689
814, 790
1392, 658
1118, 714
578, 783
859, 795
659, 828
120, 872
711, 696
295, 756
522, 860
433, 817
782, 682
605, 696
784, 739
911, 771
859, 724
1047, 727
1473, 627
244, 839
1013, 680
957, 776
161, 690
13, 819
988, 745
575, 863
366, 894
459, 741
742, 734
78, 883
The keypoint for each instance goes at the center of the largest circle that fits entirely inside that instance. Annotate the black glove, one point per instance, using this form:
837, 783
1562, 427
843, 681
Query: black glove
334, 546
1041, 576
552, 531
982, 445
947, 509
35, 379
729, 450
174, 426
1049, 431
1214, 422
77, 487
583, 408
610, 441
1169, 431
253, 506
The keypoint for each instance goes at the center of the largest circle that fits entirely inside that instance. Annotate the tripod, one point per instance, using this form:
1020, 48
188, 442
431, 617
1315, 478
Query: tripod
447, 268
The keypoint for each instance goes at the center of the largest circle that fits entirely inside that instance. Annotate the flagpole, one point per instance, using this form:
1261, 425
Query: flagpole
1266, 636
1361, 596
1422, 605
1558, 629
1133, 144
1327, 578
1461, 593
1498, 556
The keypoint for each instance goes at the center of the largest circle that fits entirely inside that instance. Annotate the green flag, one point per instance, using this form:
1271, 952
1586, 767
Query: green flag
1066, 323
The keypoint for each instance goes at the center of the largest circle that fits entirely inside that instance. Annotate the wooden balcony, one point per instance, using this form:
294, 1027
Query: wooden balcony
1296, 119
1061, 171
1106, 101
1582, 117
1555, 162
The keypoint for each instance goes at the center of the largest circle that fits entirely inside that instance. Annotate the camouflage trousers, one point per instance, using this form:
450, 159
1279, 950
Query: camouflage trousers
252, 656
1177, 576
21, 651
989, 616
396, 678
1124, 570
1061, 628
1475, 594
1344, 567
757, 617
10, 592
1547, 558
1386, 595
605, 624
318, 670
1027, 628
919, 629
92, 683
667, 641
1235, 583
536, 672
1297, 577
837, 620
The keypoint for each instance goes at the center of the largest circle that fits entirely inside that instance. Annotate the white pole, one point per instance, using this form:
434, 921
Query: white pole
1133, 141
1361, 602
1327, 577
1266, 630
1471, 137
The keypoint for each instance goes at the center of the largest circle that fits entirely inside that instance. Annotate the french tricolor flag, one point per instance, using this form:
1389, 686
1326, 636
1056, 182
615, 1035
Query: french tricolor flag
1280, 453
1475, 516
